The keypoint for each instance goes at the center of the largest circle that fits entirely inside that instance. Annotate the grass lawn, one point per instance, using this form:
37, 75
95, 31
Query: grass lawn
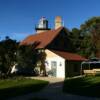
86, 86
19, 86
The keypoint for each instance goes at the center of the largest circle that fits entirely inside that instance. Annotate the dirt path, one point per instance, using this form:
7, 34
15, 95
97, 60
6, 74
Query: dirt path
52, 92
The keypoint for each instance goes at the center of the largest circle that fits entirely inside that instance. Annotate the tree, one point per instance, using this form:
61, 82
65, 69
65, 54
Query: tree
41, 59
86, 47
26, 59
91, 28
75, 38
8, 49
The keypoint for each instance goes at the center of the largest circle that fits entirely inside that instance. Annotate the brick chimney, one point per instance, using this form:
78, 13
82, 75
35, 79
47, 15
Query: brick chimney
58, 22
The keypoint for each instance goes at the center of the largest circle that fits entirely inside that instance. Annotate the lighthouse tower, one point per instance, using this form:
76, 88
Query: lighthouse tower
42, 26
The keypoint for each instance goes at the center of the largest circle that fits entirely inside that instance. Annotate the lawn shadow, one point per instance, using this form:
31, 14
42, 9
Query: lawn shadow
18, 90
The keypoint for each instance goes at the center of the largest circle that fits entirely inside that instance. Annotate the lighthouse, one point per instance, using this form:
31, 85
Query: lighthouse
42, 25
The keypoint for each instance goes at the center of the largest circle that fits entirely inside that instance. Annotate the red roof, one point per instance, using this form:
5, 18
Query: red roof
43, 38
69, 56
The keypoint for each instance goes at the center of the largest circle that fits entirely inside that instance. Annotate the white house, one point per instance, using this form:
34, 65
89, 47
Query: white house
62, 64
60, 61
55, 64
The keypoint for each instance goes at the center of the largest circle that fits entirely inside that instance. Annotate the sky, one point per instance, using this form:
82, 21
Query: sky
19, 17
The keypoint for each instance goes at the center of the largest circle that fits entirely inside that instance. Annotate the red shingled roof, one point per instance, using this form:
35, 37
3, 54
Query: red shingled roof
69, 56
43, 38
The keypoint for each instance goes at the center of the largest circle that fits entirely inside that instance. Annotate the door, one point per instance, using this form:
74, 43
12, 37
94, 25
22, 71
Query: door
54, 68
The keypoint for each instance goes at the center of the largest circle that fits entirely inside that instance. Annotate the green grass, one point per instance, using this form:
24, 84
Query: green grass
19, 86
86, 86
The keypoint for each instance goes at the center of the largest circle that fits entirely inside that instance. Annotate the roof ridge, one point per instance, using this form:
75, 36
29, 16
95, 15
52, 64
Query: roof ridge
60, 28
45, 32
40, 36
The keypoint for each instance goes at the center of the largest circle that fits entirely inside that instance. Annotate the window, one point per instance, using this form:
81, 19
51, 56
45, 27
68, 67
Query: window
40, 50
60, 64
53, 64
54, 68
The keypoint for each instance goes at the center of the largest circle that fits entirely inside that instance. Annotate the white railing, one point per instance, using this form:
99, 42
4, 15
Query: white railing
92, 72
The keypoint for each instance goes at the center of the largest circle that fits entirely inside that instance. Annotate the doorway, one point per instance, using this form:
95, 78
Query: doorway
54, 68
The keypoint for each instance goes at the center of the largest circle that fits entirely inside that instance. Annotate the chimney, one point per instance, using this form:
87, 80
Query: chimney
42, 25
58, 22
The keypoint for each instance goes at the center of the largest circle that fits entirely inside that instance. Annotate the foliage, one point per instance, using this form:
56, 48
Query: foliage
8, 49
26, 59
87, 49
41, 59
19, 86
75, 38
86, 40
92, 28
11, 53
87, 86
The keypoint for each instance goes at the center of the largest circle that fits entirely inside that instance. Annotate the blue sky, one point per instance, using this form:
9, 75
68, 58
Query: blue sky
19, 17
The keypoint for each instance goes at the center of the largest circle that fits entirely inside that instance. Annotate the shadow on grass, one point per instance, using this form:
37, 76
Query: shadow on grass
35, 98
21, 89
86, 86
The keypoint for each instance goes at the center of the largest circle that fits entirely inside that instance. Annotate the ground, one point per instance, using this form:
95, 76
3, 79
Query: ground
52, 92
16, 86
88, 86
